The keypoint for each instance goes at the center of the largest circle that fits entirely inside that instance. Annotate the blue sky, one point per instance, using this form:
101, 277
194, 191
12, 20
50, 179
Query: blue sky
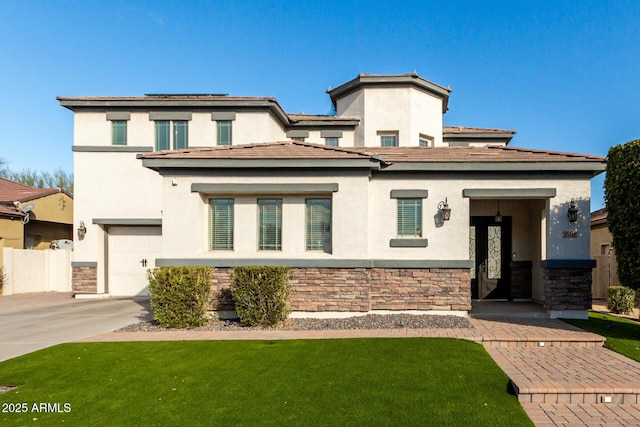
564, 75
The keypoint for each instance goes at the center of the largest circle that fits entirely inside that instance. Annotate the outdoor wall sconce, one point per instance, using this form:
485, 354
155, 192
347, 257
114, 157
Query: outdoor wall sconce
498, 217
445, 210
82, 230
572, 213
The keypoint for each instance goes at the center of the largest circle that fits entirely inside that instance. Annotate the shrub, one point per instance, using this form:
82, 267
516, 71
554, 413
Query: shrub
179, 295
622, 186
261, 294
620, 299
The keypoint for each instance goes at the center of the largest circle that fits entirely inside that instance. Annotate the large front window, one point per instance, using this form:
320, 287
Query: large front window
269, 224
318, 225
221, 217
409, 217
172, 135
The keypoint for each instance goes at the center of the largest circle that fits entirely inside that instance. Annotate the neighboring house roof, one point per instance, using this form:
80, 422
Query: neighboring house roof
486, 158
11, 191
11, 212
461, 135
385, 80
599, 217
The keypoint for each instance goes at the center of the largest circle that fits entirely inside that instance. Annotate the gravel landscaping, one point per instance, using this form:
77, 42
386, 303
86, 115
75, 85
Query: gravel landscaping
369, 321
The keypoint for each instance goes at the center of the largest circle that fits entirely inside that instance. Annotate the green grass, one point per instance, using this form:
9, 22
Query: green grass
408, 381
622, 335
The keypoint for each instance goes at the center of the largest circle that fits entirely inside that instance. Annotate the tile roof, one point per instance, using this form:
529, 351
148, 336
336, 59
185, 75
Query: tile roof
471, 130
305, 150
490, 153
599, 216
318, 117
163, 97
274, 150
11, 191
11, 212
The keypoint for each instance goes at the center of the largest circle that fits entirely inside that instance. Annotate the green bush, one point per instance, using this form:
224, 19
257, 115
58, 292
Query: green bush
179, 295
622, 186
261, 294
620, 300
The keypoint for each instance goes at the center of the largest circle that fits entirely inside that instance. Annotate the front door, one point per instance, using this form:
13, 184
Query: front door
490, 249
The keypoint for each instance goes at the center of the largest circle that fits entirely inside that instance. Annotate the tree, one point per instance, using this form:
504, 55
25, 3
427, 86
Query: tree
622, 196
56, 179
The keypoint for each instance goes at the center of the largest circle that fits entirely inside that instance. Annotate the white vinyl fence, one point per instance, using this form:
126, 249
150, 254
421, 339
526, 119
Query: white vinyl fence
37, 271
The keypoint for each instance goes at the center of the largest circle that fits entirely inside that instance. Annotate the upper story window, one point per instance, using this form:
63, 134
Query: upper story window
223, 132
118, 132
332, 141
388, 139
224, 126
118, 121
172, 134
425, 140
269, 224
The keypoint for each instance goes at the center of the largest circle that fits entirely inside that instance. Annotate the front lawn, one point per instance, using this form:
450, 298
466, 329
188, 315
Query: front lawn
409, 381
622, 335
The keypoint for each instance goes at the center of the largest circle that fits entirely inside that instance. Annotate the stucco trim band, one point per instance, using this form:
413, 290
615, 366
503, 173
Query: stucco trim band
169, 115
314, 263
409, 194
84, 264
408, 243
128, 221
110, 149
264, 188
489, 193
118, 115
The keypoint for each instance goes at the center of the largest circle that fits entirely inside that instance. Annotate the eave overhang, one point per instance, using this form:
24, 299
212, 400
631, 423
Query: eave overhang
157, 164
412, 80
593, 168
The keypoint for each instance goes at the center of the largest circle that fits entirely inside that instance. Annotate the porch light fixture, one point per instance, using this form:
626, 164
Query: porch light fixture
445, 210
572, 213
498, 217
82, 230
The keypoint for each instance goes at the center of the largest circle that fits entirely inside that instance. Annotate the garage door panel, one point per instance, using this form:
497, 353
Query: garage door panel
128, 246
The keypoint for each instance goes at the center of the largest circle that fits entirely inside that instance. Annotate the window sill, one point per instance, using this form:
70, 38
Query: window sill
408, 243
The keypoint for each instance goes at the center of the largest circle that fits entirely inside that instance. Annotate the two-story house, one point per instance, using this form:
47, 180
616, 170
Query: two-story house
378, 207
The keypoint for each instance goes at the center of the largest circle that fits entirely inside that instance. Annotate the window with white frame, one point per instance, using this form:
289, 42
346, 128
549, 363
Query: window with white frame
221, 220
409, 218
118, 132
171, 134
269, 224
224, 132
388, 139
318, 225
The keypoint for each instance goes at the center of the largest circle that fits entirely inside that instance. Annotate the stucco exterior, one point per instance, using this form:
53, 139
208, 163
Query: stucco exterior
167, 194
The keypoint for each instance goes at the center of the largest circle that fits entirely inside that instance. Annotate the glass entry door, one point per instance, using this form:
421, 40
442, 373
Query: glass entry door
490, 249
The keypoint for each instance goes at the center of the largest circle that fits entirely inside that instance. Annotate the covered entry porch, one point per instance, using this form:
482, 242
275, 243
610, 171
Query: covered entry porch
513, 233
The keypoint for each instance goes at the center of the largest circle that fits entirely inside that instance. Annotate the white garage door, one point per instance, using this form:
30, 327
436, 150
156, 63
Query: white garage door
132, 251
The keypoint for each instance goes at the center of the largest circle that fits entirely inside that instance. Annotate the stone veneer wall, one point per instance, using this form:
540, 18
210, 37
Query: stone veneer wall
567, 288
521, 279
84, 280
365, 289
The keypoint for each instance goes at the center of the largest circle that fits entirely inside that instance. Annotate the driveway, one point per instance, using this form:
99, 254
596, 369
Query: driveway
31, 322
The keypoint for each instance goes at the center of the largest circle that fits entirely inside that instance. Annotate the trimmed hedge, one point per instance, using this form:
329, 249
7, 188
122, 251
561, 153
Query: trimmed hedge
261, 294
620, 299
622, 187
179, 295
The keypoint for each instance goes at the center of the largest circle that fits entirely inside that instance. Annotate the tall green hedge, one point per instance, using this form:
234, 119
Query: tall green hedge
261, 294
179, 295
622, 195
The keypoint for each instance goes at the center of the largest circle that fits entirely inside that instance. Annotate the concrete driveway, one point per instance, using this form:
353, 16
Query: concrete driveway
30, 322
